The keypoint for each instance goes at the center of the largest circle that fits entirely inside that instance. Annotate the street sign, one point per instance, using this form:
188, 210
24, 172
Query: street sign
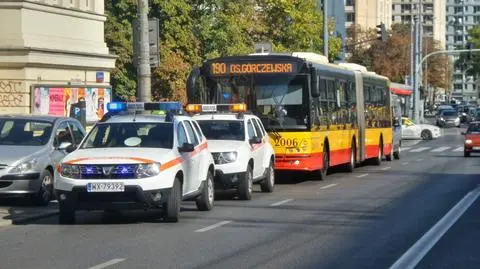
153, 41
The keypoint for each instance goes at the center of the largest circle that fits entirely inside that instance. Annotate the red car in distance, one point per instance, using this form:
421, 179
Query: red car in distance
472, 138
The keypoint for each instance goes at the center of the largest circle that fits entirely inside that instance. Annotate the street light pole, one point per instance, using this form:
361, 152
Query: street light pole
325, 28
144, 91
463, 46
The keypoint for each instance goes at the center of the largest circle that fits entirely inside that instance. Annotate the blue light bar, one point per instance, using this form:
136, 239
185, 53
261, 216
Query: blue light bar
116, 106
164, 106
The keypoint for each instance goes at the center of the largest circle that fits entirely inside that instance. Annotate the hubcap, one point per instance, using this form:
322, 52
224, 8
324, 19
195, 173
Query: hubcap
210, 190
47, 188
272, 176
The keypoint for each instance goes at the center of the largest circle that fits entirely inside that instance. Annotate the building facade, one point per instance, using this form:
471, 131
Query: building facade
461, 16
53, 54
368, 13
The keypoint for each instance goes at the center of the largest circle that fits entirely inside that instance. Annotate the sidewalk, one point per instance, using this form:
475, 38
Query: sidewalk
14, 212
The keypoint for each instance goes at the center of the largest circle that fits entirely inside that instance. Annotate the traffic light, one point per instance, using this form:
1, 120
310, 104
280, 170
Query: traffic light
382, 32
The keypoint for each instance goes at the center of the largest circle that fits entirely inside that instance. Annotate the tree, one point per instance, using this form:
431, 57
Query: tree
465, 62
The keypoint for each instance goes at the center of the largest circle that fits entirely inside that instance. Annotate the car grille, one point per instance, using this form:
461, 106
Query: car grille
118, 171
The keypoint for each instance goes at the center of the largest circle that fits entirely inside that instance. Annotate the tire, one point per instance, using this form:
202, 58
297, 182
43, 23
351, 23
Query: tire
378, 159
245, 185
268, 184
171, 208
396, 154
66, 214
353, 157
204, 202
389, 157
326, 162
426, 135
45, 194
466, 154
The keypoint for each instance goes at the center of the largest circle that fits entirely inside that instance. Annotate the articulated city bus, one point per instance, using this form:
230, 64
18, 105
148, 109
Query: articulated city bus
318, 114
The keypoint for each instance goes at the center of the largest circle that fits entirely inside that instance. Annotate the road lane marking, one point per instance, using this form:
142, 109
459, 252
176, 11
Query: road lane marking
415, 253
405, 163
419, 149
282, 202
211, 227
386, 168
458, 149
107, 264
328, 186
440, 149
362, 175
419, 160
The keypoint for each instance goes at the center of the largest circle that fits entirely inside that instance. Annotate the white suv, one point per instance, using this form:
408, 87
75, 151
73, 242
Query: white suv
137, 161
240, 147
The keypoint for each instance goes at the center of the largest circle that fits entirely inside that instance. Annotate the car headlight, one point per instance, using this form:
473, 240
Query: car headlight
24, 166
457, 119
224, 157
69, 170
468, 141
441, 118
148, 170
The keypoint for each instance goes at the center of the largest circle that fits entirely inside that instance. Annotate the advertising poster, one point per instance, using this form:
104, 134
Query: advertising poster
65, 101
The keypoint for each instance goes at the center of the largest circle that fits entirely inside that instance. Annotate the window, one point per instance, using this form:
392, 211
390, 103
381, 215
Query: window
181, 135
264, 133
457, 10
20, 132
223, 129
191, 133
258, 130
77, 132
350, 17
63, 134
250, 130
198, 129
476, 9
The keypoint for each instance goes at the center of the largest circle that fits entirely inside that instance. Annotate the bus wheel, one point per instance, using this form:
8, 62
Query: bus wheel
378, 160
389, 157
353, 157
325, 162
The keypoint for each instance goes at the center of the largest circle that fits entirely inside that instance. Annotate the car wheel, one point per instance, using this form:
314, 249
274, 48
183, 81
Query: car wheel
396, 154
245, 185
204, 202
268, 184
66, 213
466, 154
426, 135
353, 153
171, 209
45, 194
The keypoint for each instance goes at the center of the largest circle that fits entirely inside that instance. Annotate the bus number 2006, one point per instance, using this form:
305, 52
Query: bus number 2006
286, 142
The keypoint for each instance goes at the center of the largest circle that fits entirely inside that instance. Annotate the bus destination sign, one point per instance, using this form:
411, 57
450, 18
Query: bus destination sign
222, 68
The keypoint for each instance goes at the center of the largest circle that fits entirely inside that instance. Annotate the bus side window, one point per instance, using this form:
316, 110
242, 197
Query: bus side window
324, 109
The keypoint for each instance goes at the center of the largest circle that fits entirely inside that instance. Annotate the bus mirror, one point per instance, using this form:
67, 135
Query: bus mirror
315, 89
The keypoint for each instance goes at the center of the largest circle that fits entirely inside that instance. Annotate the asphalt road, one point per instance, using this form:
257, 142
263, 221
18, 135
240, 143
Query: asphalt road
366, 219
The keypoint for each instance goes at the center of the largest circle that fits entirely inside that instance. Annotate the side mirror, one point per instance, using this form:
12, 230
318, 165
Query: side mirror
186, 147
256, 140
64, 145
464, 133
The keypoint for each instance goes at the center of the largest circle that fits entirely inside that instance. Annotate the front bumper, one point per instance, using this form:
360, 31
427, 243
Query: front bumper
19, 184
227, 181
450, 123
472, 148
134, 197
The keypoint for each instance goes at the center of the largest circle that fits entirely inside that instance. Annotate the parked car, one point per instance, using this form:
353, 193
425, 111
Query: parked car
30, 148
411, 130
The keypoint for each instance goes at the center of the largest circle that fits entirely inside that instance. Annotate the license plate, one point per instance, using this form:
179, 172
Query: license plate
106, 187
476, 148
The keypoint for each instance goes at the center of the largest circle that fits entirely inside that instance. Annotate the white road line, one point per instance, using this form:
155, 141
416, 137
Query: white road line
406, 148
458, 149
362, 175
211, 227
405, 163
419, 160
419, 149
282, 202
440, 149
107, 264
386, 168
328, 186
415, 254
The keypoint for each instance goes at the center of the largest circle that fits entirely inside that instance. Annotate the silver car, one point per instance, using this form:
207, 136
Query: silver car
30, 148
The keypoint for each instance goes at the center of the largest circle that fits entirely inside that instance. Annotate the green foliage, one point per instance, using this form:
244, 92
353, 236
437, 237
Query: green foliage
194, 30
472, 65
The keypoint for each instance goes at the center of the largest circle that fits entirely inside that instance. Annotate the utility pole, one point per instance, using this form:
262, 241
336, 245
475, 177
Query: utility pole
412, 58
144, 88
463, 47
420, 107
325, 28
416, 82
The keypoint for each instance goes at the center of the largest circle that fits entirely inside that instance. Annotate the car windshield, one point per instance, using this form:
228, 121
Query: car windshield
449, 113
223, 129
23, 132
124, 135
473, 128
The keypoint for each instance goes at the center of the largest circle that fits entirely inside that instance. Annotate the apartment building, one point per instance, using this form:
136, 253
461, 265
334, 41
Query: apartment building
461, 15
368, 13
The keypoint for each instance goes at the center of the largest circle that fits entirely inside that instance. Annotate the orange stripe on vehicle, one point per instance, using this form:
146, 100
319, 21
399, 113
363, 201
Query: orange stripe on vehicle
171, 163
198, 149
141, 160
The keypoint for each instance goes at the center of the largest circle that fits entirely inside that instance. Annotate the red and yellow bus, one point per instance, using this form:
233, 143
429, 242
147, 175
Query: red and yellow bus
318, 114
